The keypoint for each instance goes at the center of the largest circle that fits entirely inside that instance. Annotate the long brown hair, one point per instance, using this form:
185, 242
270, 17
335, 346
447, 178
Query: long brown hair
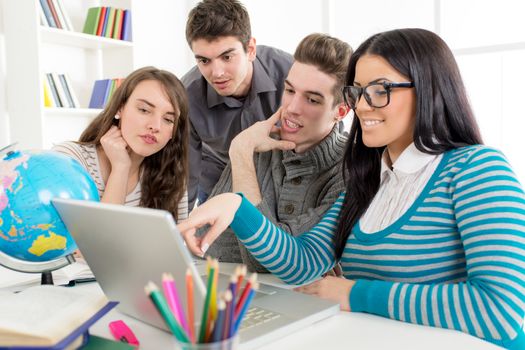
165, 173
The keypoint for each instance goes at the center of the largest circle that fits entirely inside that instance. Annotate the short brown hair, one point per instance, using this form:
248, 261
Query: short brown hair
212, 19
164, 174
330, 55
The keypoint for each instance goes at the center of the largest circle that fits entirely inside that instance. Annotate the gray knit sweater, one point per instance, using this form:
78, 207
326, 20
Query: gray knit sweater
297, 189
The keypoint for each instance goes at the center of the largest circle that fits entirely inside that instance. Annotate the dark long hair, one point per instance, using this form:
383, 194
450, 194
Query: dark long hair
165, 173
444, 118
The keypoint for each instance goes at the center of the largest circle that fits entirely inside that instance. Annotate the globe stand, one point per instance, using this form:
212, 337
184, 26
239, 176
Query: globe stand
45, 267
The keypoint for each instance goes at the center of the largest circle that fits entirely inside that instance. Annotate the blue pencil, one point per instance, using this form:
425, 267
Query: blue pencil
219, 322
231, 306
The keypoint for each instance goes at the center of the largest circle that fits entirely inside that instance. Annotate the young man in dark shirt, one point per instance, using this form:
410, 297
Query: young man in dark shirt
234, 84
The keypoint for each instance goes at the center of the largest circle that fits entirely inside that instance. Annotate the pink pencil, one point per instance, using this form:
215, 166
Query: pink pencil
170, 291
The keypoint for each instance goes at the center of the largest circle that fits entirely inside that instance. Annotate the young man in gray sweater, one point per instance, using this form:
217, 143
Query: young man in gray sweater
295, 177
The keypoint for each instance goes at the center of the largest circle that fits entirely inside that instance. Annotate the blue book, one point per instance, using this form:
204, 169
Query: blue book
126, 26
48, 14
100, 90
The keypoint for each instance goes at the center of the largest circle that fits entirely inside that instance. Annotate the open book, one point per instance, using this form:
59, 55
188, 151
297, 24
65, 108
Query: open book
43, 316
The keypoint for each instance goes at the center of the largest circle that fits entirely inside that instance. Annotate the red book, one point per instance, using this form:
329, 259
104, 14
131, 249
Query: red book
54, 13
101, 20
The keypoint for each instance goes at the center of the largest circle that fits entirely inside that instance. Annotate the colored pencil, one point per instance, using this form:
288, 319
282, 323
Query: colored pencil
189, 295
230, 320
244, 295
219, 323
172, 295
213, 306
205, 311
162, 306
228, 315
245, 307
242, 273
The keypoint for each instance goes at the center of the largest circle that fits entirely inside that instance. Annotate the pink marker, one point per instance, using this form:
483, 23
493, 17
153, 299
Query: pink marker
123, 333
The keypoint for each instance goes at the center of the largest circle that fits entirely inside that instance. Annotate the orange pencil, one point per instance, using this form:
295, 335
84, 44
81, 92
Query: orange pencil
242, 272
189, 294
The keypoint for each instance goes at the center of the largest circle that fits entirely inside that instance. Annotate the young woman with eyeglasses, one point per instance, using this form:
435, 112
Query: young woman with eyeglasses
431, 229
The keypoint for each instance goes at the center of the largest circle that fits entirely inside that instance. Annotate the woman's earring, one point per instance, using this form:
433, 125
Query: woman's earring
117, 116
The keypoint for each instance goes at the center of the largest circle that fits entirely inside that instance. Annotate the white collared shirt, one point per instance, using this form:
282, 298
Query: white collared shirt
399, 187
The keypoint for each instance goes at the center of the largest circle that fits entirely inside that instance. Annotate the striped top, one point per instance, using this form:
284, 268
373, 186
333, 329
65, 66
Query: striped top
455, 259
88, 158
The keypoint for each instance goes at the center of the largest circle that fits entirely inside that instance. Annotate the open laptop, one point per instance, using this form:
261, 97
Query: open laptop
128, 246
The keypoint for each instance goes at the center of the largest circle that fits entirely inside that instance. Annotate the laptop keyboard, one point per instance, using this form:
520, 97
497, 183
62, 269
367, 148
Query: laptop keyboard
256, 316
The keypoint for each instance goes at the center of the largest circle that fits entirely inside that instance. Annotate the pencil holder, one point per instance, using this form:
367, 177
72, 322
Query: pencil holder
227, 344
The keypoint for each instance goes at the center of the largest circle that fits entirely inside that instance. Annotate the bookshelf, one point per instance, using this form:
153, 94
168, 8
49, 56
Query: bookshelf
33, 50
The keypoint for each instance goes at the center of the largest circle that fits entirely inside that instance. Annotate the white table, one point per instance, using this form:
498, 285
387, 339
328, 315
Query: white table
345, 330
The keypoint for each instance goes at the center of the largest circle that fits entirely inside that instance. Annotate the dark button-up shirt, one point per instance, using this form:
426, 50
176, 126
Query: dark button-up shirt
215, 120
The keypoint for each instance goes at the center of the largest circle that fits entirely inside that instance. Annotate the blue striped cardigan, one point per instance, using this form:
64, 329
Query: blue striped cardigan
455, 259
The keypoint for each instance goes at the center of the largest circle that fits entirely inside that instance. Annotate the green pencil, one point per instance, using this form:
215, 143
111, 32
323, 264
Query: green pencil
162, 306
205, 310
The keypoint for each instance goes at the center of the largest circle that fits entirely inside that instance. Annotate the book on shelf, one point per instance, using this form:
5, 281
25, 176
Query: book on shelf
117, 28
49, 317
43, 18
47, 13
71, 91
108, 33
92, 21
54, 14
63, 15
49, 101
126, 26
54, 91
61, 91
100, 27
103, 91
108, 22
64, 102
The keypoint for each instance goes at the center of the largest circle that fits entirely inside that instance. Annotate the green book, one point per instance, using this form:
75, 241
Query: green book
92, 18
111, 22
99, 343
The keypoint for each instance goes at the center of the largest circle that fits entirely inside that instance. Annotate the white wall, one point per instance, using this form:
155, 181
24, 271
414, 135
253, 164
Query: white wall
4, 126
158, 37
488, 40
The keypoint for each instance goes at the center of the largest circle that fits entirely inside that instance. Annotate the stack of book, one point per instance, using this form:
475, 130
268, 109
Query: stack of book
108, 22
102, 92
58, 91
53, 14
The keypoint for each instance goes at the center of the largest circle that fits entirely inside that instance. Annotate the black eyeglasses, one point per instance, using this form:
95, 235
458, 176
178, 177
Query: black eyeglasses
376, 94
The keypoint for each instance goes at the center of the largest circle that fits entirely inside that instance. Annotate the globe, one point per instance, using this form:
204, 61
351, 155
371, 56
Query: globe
30, 228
